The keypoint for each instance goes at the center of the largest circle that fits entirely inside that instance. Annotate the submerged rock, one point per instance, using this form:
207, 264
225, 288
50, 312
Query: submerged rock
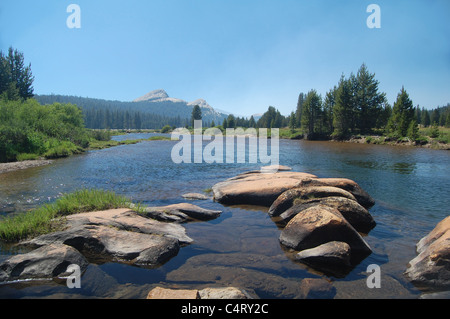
317, 288
431, 268
224, 293
47, 262
195, 196
206, 293
332, 257
173, 294
181, 213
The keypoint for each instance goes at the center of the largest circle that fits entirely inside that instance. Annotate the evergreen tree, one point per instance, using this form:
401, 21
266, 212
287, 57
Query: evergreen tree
196, 114
418, 115
434, 117
231, 121
402, 114
343, 109
425, 120
368, 100
384, 117
16, 79
311, 113
328, 106
292, 121
252, 122
298, 112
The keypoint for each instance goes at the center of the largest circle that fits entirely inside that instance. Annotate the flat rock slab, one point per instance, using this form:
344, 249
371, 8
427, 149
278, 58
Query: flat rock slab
43, 263
181, 213
126, 219
256, 188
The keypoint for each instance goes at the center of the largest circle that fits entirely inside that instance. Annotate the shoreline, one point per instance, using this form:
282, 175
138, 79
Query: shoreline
15, 166
381, 140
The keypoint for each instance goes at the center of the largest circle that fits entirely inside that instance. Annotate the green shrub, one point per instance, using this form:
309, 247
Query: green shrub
166, 129
27, 157
26, 127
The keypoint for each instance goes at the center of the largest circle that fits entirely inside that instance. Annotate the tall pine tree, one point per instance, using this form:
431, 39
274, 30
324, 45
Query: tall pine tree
311, 113
343, 109
402, 115
16, 79
368, 101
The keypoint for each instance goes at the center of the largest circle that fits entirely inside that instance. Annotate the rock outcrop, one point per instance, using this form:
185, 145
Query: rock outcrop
46, 262
431, 268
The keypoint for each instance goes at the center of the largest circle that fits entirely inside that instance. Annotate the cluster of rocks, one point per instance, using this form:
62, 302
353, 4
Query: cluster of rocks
322, 222
321, 218
121, 235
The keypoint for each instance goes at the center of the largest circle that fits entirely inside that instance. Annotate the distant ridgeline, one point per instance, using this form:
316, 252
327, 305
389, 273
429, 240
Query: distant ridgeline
152, 111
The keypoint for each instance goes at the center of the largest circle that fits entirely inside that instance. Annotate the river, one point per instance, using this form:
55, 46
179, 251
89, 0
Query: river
241, 248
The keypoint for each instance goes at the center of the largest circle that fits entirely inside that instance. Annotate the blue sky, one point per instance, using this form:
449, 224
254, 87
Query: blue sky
241, 56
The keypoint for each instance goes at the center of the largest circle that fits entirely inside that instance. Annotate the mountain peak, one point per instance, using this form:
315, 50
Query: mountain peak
200, 102
153, 95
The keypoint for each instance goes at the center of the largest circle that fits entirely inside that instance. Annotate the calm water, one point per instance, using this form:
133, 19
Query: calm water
240, 248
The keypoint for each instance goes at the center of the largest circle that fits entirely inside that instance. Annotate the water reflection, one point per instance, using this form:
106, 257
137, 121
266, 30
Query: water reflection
399, 167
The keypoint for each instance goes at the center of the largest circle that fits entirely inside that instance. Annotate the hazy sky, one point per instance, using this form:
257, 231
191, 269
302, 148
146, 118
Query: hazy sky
241, 56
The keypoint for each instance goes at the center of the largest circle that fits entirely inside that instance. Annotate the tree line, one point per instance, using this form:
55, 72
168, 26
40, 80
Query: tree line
101, 118
356, 106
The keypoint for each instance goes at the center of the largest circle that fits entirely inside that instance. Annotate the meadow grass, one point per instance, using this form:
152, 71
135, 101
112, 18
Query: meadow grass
50, 217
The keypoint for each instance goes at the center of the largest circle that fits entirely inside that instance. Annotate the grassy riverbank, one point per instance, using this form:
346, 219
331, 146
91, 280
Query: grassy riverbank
430, 137
98, 144
50, 217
